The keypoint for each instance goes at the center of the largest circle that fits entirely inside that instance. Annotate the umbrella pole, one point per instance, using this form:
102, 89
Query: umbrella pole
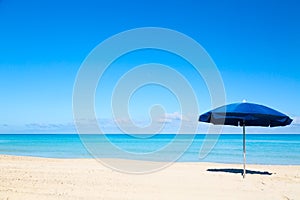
244, 149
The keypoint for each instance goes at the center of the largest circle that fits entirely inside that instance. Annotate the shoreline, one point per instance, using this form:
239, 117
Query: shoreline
147, 161
51, 178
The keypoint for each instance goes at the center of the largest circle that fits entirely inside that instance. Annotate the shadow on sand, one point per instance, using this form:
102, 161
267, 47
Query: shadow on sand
239, 171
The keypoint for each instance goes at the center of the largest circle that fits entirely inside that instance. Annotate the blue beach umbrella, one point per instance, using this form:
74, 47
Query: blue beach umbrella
245, 114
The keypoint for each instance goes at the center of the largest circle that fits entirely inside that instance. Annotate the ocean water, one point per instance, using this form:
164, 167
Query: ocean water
282, 149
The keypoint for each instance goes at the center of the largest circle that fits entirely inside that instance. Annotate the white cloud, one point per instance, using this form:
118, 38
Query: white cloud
164, 120
172, 117
296, 120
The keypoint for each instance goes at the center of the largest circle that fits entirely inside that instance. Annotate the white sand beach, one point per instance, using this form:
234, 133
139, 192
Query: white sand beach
43, 178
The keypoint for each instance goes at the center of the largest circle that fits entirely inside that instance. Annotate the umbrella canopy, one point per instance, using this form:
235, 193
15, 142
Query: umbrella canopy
249, 114
245, 114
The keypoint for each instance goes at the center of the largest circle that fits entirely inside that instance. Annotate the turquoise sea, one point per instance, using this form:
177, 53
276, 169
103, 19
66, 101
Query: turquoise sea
283, 149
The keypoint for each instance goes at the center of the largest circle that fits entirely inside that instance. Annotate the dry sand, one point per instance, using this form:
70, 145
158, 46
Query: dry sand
42, 178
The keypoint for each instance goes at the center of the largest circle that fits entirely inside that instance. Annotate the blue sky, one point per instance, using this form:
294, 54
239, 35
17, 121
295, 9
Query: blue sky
255, 45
